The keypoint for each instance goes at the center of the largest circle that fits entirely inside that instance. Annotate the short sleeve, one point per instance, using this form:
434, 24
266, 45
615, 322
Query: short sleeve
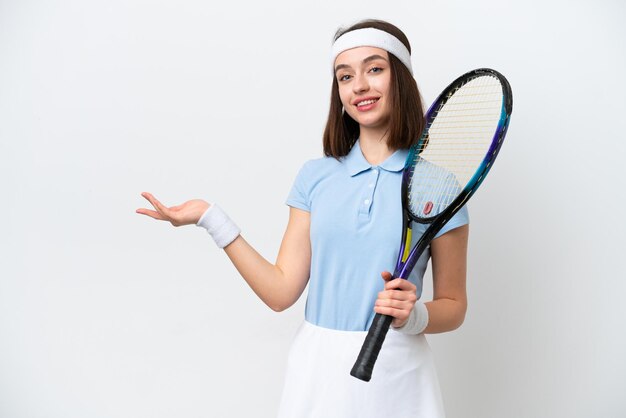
299, 195
459, 219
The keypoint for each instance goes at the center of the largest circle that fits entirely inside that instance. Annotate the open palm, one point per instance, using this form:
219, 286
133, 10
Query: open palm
184, 214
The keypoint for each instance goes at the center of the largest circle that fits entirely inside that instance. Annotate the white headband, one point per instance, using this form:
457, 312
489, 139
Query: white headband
372, 37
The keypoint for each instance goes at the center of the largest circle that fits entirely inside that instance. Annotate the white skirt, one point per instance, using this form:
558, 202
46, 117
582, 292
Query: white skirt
318, 383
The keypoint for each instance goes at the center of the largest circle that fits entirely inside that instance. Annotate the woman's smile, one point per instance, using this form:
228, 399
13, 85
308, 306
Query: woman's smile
363, 105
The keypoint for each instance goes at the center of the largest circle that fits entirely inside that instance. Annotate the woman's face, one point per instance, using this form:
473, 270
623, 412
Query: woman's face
364, 77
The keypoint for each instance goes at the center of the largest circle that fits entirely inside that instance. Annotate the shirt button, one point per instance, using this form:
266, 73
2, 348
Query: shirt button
370, 185
375, 171
366, 202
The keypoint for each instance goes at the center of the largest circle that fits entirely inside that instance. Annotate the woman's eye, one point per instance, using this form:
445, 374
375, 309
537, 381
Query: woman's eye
376, 69
344, 77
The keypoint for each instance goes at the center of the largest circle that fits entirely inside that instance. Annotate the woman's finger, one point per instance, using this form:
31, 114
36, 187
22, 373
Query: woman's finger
399, 316
160, 207
153, 200
151, 213
395, 303
396, 283
162, 213
404, 295
400, 284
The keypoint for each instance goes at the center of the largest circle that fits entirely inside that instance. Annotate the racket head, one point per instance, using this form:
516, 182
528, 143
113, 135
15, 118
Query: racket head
464, 130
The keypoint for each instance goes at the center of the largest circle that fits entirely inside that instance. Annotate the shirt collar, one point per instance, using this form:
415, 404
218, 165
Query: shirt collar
356, 162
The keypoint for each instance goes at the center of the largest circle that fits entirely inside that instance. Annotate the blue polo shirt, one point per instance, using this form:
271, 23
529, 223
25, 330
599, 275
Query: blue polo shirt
356, 227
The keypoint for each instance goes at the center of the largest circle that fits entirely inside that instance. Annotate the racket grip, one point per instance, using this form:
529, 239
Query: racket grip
364, 365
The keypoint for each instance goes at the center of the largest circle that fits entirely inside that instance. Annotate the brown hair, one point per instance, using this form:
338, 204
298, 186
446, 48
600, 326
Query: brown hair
406, 121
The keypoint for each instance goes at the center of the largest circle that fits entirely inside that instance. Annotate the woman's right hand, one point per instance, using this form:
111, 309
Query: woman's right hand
186, 214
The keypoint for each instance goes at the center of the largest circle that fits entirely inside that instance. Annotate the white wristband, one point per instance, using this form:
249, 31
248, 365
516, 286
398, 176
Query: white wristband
417, 322
221, 228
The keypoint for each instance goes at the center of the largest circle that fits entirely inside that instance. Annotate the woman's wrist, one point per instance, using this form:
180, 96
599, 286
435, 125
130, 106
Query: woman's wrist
217, 223
417, 321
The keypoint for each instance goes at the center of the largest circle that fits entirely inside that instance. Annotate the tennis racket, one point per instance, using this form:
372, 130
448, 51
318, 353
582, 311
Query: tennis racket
464, 130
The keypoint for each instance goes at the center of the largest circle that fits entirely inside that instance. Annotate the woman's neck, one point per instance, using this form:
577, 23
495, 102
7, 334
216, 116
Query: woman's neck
374, 146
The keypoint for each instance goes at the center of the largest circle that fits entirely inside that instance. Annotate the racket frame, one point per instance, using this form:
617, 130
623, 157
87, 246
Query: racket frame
405, 263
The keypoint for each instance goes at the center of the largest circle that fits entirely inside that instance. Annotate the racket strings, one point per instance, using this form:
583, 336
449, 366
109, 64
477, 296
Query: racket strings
457, 141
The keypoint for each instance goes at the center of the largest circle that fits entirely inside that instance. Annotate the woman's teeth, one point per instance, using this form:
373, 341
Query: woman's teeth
366, 102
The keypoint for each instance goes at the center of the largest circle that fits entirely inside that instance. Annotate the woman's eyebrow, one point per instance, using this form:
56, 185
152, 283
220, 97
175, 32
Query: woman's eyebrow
374, 57
365, 61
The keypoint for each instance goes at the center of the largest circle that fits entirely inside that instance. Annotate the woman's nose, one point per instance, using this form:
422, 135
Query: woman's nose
360, 84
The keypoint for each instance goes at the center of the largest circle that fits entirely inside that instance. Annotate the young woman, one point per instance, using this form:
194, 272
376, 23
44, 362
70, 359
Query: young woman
344, 225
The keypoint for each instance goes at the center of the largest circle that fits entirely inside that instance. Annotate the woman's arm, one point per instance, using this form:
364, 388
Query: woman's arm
279, 285
448, 254
447, 310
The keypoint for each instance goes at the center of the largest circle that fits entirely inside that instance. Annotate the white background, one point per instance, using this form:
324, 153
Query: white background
105, 313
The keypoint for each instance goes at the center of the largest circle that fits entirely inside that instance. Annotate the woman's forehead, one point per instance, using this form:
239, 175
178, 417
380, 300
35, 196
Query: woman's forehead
355, 56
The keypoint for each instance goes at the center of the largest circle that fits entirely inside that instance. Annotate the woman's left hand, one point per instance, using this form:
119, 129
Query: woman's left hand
397, 299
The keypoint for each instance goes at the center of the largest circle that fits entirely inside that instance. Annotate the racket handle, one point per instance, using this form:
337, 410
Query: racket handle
364, 365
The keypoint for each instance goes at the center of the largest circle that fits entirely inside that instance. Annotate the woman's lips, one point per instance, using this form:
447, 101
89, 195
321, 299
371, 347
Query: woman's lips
365, 105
